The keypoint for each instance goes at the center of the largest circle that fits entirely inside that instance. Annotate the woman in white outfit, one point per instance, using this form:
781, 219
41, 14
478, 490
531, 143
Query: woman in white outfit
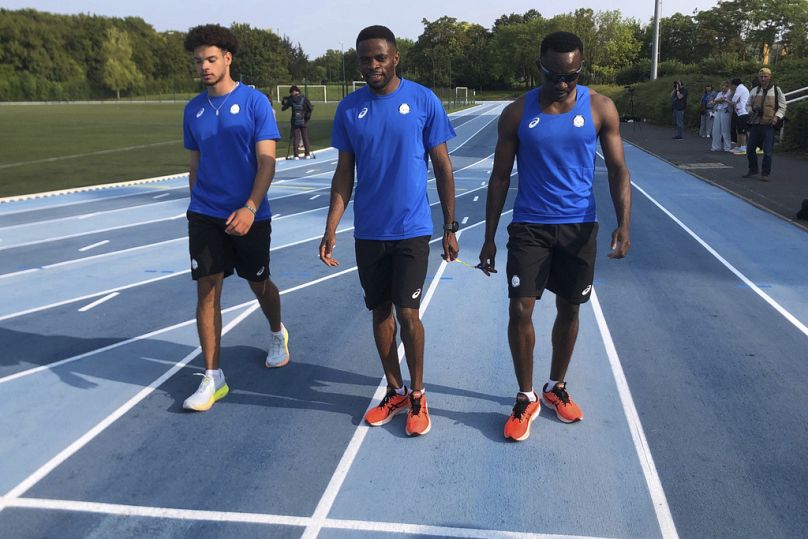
721, 122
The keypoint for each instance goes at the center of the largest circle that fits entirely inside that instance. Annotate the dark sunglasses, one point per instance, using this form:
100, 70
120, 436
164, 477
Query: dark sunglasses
555, 78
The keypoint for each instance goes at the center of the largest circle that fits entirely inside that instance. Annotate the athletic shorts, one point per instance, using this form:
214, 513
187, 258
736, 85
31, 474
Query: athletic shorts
740, 126
214, 251
393, 271
560, 258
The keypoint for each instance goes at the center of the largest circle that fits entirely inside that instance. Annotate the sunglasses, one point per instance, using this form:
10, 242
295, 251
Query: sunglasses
555, 78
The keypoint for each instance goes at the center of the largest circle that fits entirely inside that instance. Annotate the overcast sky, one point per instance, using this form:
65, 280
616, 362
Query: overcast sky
319, 25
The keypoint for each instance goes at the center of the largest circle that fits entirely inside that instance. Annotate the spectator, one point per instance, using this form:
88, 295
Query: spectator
679, 103
766, 107
722, 109
740, 97
707, 112
301, 114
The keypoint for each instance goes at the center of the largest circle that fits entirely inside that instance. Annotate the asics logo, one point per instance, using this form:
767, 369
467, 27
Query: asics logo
586, 290
201, 112
416, 294
363, 113
261, 271
533, 123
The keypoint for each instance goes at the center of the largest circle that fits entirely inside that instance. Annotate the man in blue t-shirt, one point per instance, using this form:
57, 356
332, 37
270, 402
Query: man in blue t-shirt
231, 133
388, 130
553, 131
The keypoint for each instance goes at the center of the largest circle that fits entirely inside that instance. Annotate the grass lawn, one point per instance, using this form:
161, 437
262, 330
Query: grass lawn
50, 147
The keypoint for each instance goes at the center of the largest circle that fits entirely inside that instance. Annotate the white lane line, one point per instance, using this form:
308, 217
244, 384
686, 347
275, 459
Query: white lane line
78, 155
483, 183
494, 117
315, 196
98, 302
161, 196
748, 282
311, 170
476, 198
341, 472
197, 515
93, 246
80, 217
465, 220
276, 215
83, 440
658, 498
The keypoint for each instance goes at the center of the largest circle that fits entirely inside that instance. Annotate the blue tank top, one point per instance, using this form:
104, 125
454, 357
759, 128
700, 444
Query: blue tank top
556, 163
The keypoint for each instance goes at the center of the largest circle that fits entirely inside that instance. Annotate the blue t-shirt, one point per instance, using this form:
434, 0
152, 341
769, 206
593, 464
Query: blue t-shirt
390, 136
226, 145
556, 163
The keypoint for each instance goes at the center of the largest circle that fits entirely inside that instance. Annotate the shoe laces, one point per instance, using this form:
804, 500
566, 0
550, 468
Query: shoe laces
386, 400
206, 381
520, 407
415, 404
276, 348
561, 393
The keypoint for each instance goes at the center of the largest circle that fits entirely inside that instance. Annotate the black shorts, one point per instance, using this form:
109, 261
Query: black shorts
214, 251
560, 258
740, 126
393, 271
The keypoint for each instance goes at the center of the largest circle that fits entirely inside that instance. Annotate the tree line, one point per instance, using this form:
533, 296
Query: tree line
45, 56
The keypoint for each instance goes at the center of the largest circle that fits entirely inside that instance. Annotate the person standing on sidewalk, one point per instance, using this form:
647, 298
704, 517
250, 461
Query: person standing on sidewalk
230, 132
767, 108
553, 132
679, 103
740, 96
706, 105
722, 107
387, 131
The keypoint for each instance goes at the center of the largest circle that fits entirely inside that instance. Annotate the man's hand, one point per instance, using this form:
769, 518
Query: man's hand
239, 222
488, 255
621, 243
450, 247
327, 248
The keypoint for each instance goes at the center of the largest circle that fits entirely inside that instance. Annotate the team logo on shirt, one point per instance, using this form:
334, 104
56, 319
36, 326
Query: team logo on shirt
578, 121
534, 122
416, 294
201, 112
586, 290
362, 113
515, 281
404, 108
194, 263
235, 109
260, 272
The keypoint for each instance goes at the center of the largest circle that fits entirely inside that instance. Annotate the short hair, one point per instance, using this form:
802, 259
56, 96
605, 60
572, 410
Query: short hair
211, 35
736, 81
294, 89
561, 42
376, 31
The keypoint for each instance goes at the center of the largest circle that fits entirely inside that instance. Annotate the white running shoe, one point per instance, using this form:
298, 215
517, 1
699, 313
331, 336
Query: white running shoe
206, 394
278, 355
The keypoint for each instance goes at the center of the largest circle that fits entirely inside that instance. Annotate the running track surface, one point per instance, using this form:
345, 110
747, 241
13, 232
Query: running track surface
691, 368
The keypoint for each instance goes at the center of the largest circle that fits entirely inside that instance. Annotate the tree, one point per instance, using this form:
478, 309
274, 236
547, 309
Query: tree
119, 71
262, 56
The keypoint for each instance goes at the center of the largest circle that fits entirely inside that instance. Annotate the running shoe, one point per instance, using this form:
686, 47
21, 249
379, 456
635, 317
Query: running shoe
559, 400
278, 355
418, 421
524, 413
206, 394
391, 404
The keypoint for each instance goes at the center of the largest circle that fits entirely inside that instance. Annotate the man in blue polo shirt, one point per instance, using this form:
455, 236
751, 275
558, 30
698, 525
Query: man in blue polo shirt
231, 132
388, 130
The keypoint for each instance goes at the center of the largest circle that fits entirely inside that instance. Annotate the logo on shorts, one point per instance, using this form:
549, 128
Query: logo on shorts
235, 109
515, 281
534, 122
416, 294
194, 264
261, 271
362, 113
578, 121
201, 112
404, 108
586, 290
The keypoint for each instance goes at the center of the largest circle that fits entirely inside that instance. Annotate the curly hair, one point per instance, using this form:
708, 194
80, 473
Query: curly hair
211, 35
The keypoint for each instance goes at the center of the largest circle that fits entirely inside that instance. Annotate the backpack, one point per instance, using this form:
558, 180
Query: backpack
298, 111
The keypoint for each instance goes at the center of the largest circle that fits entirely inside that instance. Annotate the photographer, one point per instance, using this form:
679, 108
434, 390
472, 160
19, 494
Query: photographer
301, 114
766, 107
679, 103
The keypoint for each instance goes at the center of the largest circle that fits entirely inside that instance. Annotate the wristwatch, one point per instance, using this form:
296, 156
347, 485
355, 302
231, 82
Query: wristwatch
451, 227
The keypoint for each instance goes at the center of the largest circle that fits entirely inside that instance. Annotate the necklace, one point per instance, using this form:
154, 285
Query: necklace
226, 97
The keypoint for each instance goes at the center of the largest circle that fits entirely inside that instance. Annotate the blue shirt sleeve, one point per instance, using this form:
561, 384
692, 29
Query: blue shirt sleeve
339, 132
438, 129
188, 137
265, 126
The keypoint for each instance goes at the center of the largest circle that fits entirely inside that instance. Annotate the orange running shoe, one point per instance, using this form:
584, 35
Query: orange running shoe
391, 404
559, 400
418, 422
524, 413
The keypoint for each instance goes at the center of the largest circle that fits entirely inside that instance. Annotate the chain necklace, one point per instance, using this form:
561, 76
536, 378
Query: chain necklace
226, 97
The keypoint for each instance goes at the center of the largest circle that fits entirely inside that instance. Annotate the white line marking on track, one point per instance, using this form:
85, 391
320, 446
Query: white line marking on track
311, 170
98, 302
269, 519
483, 183
100, 152
748, 282
83, 440
86, 216
315, 196
660, 501
465, 220
93, 246
476, 198
163, 195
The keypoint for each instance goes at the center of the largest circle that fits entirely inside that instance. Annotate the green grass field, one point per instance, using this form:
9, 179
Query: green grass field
50, 147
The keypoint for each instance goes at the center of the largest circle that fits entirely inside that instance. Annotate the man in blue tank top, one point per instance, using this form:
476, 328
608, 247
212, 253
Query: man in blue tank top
388, 130
552, 131
231, 133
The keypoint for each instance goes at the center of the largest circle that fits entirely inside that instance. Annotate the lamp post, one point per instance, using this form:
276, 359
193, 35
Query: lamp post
655, 46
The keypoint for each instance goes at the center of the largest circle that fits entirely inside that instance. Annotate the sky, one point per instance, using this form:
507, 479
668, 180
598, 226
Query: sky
319, 25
